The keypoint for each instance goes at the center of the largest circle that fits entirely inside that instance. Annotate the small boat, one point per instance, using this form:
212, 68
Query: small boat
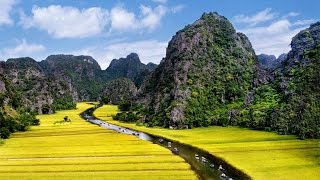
197, 156
175, 150
204, 160
221, 168
223, 175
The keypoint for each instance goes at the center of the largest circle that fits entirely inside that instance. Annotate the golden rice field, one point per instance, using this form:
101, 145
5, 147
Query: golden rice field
85, 151
262, 155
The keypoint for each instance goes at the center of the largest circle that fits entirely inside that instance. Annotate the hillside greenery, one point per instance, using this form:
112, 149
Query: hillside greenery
83, 72
119, 91
12, 121
208, 71
295, 110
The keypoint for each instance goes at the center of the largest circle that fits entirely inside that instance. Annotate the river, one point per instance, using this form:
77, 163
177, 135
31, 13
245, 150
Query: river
206, 166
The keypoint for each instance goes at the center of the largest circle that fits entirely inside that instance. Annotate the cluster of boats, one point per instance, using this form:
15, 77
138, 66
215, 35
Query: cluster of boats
197, 157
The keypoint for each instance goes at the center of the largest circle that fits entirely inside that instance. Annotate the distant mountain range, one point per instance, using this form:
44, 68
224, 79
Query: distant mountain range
60, 79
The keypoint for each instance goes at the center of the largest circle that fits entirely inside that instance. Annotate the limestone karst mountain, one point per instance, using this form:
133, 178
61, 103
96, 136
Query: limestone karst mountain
131, 68
208, 68
211, 76
24, 83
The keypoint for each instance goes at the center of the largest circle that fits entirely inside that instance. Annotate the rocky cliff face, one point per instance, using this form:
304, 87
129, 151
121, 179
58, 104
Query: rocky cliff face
131, 68
304, 40
24, 83
298, 81
83, 72
297, 58
119, 91
207, 65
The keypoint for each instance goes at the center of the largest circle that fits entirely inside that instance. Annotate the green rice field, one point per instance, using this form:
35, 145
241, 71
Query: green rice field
260, 154
80, 150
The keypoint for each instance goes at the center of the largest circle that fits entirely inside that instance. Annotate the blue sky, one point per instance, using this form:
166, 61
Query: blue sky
113, 28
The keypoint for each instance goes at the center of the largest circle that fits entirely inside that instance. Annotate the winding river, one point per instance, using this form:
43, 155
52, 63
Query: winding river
206, 166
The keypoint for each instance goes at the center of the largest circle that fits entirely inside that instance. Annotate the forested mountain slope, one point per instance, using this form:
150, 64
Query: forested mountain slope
211, 76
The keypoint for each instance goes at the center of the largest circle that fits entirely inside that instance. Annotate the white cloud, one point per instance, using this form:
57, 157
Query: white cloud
304, 22
5, 9
274, 38
261, 16
152, 17
123, 20
148, 51
149, 18
22, 49
160, 1
67, 22
71, 22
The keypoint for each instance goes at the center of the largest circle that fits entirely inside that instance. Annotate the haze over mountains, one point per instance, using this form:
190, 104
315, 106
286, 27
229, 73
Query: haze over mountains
210, 76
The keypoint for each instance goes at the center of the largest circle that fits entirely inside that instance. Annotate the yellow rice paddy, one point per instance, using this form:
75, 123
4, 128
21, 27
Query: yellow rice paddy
261, 155
81, 150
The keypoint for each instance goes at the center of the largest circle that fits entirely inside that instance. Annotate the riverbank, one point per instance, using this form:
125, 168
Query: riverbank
259, 154
80, 150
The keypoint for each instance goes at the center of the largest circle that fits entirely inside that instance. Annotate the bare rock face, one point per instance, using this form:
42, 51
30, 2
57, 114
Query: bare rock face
2, 87
305, 40
207, 64
24, 83
262, 76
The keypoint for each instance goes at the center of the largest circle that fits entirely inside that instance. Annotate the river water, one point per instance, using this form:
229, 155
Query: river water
206, 166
